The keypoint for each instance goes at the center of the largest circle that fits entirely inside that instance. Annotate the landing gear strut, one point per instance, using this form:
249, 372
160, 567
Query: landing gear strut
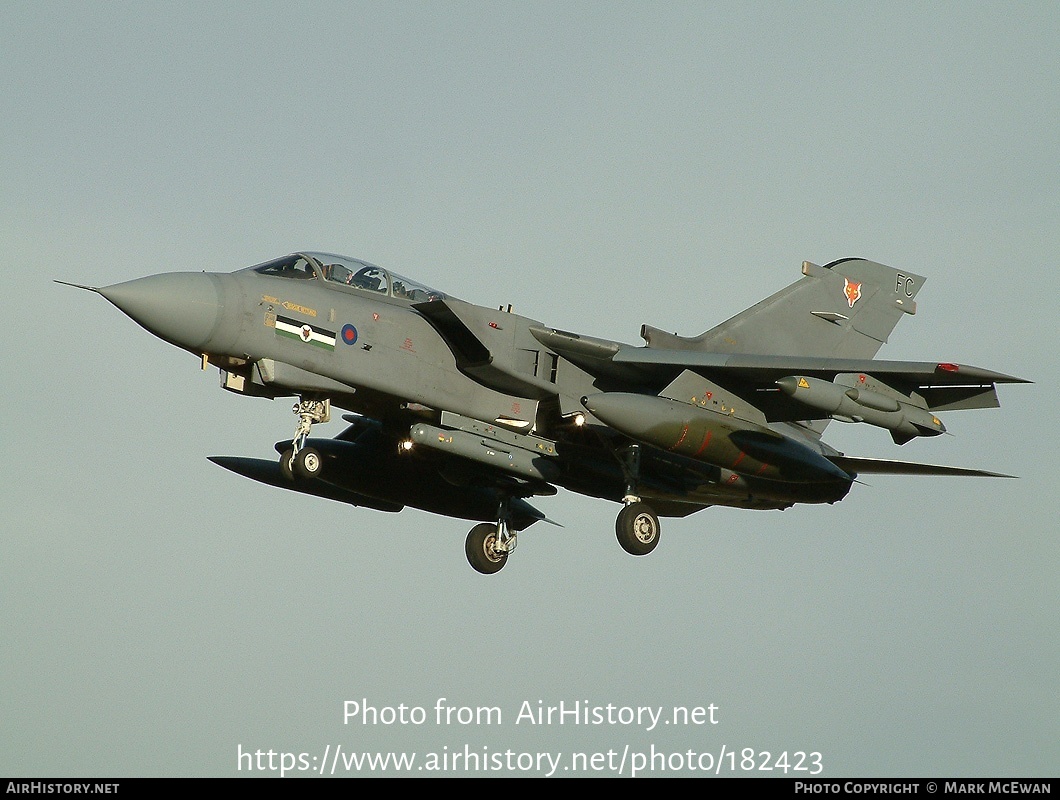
637, 526
488, 544
300, 461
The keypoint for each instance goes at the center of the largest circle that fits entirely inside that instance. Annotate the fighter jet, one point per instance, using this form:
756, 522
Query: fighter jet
470, 411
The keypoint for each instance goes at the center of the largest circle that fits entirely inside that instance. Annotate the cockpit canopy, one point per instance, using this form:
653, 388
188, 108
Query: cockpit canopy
346, 271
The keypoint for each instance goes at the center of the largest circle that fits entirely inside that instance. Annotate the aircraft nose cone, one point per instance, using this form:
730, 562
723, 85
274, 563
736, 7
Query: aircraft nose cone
181, 307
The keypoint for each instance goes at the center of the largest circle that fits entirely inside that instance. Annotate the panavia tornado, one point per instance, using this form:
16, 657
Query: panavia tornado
469, 411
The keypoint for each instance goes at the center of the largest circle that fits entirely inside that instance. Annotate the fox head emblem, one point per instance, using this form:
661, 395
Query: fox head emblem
852, 290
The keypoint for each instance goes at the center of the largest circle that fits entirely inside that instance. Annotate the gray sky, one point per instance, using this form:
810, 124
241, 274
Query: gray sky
598, 165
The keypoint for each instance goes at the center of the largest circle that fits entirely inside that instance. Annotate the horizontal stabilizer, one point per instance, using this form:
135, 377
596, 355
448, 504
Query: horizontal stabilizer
883, 466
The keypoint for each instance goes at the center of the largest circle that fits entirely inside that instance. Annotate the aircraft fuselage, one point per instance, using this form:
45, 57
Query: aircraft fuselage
467, 411
380, 355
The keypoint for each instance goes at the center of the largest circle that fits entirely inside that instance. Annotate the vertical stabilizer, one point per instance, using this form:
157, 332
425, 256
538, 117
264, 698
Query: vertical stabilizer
846, 309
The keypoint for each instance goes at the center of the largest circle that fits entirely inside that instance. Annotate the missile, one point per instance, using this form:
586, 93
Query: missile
486, 450
903, 420
722, 439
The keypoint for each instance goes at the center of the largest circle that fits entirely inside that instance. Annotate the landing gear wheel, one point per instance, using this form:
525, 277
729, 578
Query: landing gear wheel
637, 528
285, 464
308, 463
481, 551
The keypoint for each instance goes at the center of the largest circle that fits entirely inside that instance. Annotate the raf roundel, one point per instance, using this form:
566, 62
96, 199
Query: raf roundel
349, 334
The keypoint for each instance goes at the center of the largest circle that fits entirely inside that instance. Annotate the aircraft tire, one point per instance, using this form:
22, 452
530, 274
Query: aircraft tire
285, 464
637, 528
308, 463
479, 549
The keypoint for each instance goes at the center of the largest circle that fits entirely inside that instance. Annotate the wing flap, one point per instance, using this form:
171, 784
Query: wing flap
767, 369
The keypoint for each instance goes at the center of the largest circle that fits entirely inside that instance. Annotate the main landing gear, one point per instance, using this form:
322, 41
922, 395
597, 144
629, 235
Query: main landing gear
488, 544
299, 461
637, 526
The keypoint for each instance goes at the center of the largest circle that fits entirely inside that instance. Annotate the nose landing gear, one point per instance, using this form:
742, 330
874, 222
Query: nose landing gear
299, 461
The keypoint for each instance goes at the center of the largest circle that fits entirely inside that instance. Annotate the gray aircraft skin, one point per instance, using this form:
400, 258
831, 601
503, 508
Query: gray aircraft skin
467, 411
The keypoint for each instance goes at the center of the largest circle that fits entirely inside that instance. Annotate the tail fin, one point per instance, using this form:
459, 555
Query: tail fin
846, 309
